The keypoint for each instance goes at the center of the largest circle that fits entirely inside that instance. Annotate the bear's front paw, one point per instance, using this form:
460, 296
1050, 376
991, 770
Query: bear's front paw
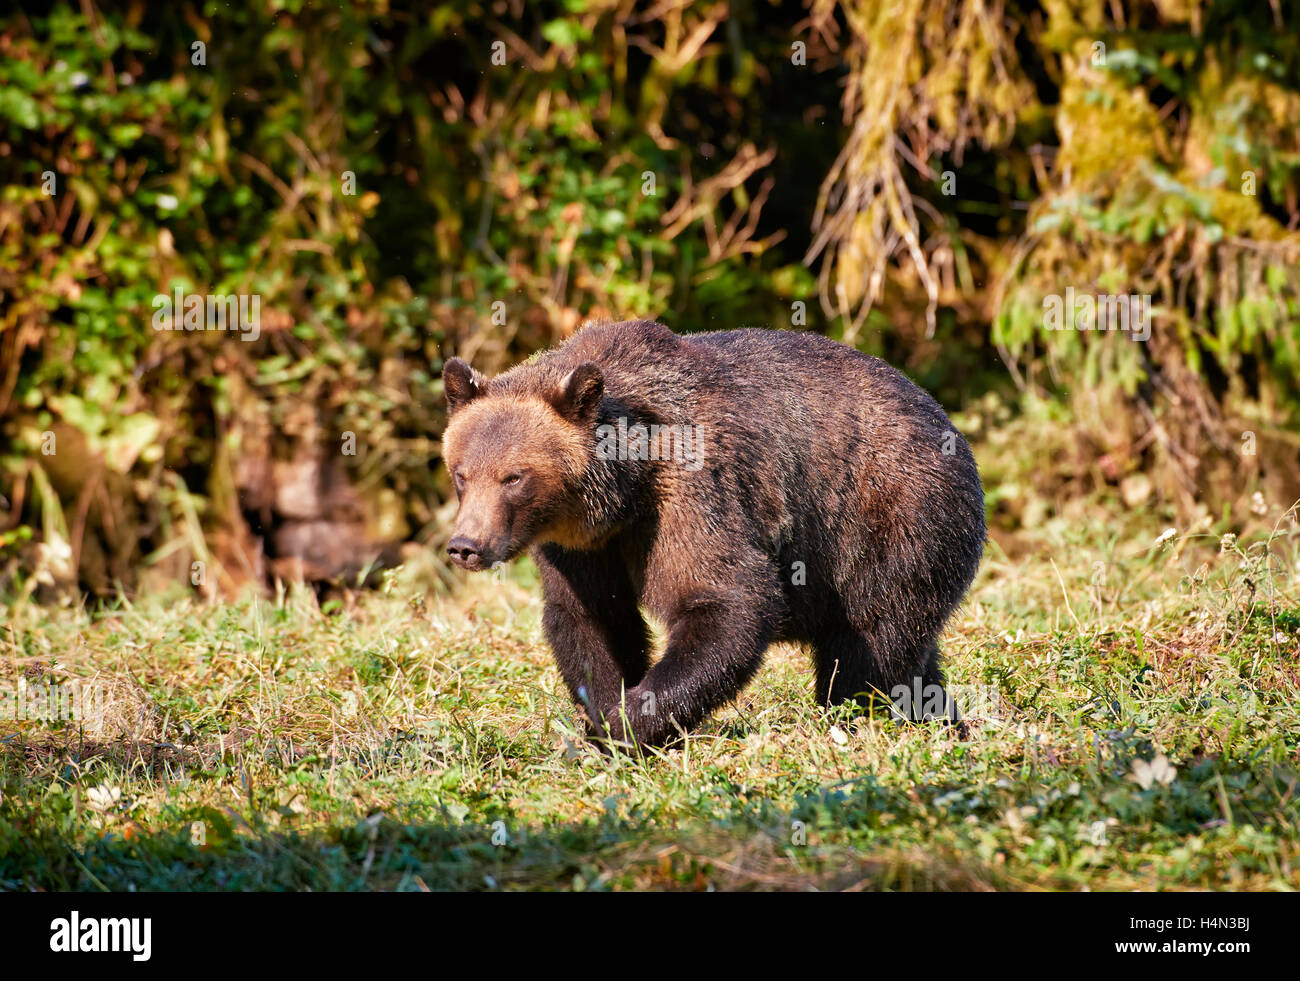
641, 721
615, 726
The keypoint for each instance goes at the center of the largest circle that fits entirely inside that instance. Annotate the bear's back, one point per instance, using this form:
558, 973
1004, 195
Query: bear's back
644, 351
777, 386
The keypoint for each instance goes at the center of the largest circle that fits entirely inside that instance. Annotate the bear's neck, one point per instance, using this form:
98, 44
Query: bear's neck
615, 486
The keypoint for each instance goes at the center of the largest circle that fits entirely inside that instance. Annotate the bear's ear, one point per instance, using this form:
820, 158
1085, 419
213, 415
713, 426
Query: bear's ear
461, 383
579, 392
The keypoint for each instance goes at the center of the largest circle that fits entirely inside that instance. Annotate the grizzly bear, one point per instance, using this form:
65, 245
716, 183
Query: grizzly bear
742, 487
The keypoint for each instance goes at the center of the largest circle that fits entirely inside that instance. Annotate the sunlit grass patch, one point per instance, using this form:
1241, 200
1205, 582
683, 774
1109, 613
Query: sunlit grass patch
1142, 734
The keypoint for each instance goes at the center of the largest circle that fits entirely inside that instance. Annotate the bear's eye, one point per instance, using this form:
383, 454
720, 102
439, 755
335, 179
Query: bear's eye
459, 478
513, 479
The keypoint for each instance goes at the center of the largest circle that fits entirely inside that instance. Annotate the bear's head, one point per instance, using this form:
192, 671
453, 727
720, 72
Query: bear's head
517, 457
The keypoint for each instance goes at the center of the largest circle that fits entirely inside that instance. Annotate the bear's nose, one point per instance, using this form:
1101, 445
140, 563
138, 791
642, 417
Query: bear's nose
465, 552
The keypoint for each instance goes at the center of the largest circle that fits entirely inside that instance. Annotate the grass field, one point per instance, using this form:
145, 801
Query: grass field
1139, 730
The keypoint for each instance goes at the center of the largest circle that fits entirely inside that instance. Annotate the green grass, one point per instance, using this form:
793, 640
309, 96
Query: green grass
403, 739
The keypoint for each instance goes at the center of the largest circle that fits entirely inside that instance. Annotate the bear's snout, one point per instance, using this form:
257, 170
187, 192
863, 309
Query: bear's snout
466, 553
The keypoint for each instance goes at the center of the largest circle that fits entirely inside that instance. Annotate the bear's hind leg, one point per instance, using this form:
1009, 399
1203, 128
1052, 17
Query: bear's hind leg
848, 667
935, 702
847, 670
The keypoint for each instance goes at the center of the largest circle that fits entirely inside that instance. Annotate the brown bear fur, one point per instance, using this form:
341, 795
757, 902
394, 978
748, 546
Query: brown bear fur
833, 505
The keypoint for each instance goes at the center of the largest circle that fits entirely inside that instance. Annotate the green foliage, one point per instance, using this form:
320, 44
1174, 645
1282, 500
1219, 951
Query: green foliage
390, 181
398, 181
